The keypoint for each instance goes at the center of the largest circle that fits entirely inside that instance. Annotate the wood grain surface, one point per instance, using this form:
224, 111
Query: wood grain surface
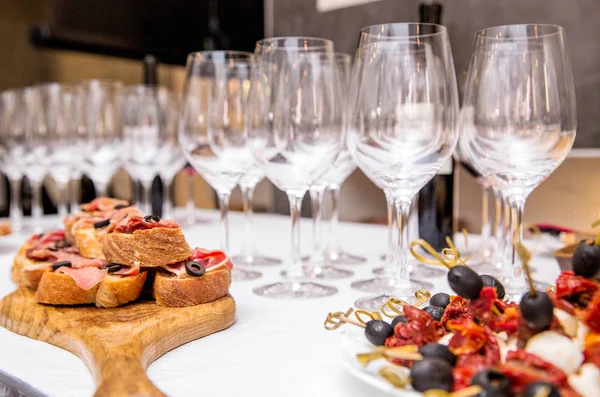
116, 345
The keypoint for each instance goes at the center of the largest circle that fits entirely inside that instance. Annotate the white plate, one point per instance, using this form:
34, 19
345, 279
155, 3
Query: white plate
353, 342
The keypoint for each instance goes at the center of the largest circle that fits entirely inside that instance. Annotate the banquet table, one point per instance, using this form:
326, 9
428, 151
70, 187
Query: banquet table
275, 348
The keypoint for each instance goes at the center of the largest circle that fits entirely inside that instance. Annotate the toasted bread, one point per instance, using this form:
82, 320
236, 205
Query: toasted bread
28, 271
87, 240
146, 247
68, 223
5, 229
172, 290
60, 289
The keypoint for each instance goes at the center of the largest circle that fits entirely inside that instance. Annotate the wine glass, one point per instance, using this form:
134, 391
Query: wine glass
62, 107
249, 255
212, 130
11, 135
34, 150
402, 127
296, 132
151, 146
103, 150
318, 264
169, 105
519, 117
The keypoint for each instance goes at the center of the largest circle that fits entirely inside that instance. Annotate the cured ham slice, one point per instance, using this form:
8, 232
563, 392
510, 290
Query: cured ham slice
132, 223
129, 270
103, 204
211, 260
85, 278
78, 261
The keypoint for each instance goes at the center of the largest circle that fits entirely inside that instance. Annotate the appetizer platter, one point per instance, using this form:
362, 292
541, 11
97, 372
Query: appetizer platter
477, 342
118, 289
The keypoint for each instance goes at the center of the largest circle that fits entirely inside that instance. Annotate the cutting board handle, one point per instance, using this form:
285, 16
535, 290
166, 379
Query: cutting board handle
123, 375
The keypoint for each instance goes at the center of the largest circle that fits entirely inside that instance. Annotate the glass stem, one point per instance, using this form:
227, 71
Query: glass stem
402, 271
516, 235
499, 229
36, 206
390, 265
294, 269
101, 188
224, 208
75, 194
486, 228
316, 200
146, 201
247, 197
16, 214
167, 210
334, 238
190, 207
63, 194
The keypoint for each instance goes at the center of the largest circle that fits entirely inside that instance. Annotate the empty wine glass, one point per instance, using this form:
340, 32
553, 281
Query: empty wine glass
62, 107
104, 149
402, 126
151, 146
11, 137
249, 255
296, 132
34, 150
519, 117
170, 106
318, 264
212, 130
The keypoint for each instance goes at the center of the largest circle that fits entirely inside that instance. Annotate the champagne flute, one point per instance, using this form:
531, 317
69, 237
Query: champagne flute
519, 117
212, 129
296, 132
402, 127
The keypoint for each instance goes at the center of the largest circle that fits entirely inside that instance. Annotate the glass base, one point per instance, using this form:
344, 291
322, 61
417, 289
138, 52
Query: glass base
383, 285
327, 273
344, 258
238, 274
374, 303
418, 272
295, 290
255, 259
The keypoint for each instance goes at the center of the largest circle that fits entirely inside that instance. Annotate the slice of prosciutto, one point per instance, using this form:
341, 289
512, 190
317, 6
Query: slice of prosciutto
102, 204
211, 260
78, 261
85, 278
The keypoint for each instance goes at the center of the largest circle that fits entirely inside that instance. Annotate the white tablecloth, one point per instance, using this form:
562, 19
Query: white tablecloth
276, 348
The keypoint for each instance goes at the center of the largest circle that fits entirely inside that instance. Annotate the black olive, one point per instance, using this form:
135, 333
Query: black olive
440, 300
120, 206
62, 244
435, 312
465, 282
102, 224
112, 267
491, 281
377, 331
52, 249
194, 269
398, 320
586, 260
56, 265
431, 373
154, 218
436, 350
537, 311
535, 387
40, 235
493, 383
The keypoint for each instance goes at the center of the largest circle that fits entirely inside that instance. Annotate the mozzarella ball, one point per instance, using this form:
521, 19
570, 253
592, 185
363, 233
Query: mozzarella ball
567, 321
557, 349
587, 381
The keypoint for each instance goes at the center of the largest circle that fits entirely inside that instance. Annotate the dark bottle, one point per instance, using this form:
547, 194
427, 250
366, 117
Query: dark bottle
150, 70
436, 199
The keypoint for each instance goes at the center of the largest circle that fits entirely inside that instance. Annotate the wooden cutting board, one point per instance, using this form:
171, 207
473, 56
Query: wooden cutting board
116, 345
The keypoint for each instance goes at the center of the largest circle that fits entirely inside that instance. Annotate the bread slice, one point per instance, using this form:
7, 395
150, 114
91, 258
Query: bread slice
28, 271
60, 289
159, 246
87, 240
172, 290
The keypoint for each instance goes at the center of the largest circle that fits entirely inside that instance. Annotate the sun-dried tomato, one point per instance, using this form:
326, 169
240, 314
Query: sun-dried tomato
419, 329
591, 314
524, 368
561, 303
466, 367
569, 285
592, 354
457, 309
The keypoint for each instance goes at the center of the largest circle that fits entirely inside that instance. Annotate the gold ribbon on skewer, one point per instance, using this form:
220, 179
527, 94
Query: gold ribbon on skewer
337, 319
467, 392
544, 391
395, 376
448, 258
371, 316
393, 307
408, 352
